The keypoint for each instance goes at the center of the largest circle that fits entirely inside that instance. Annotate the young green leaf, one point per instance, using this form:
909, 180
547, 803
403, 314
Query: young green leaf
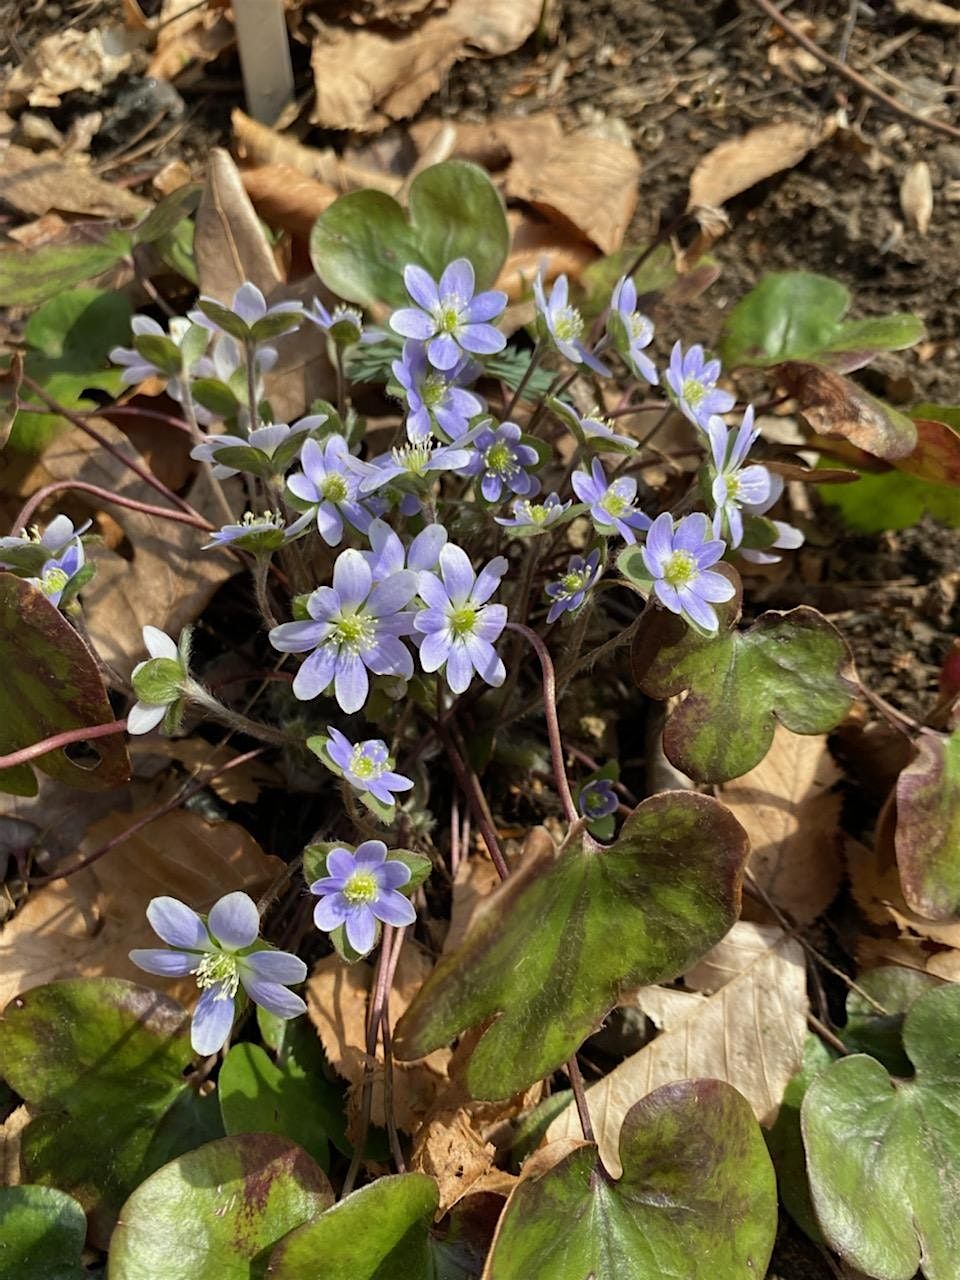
697, 1199
168, 214
42, 1233
868, 1030
31, 276
379, 1232
565, 936
892, 500
100, 1062
256, 1096
884, 1155
928, 827
785, 1142
213, 1213
793, 667
51, 683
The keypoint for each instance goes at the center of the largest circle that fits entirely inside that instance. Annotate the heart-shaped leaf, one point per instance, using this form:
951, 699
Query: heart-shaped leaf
796, 315
892, 500
834, 406
566, 935
100, 1062
42, 1232
256, 1096
379, 1232
51, 683
361, 243
884, 1155
928, 827
789, 667
785, 1141
213, 1213
697, 1199
881, 1034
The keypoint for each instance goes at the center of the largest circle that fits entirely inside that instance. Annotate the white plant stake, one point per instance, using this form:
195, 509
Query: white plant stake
264, 57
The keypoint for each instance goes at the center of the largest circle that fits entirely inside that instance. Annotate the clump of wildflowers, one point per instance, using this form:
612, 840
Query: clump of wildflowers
570, 591
679, 559
612, 503
361, 890
223, 955
458, 626
449, 316
693, 381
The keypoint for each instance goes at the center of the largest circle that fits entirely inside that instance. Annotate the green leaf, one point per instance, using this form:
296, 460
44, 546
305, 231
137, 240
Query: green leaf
793, 667
258, 1097
51, 683
567, 935
785, 1142
928, 827
215, 396
75, 331
160, 351
42, 1233
213, 1213
457, 212
378, 1233
176, 250
892, 500
881, 1034
30, 276
884, 1155
697, 1199
224, 318
100, 1062
168, 214
795, 315
361, 243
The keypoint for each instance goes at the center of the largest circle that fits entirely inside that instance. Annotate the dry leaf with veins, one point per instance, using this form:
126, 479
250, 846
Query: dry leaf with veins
750, 1032
740, 163
792, 817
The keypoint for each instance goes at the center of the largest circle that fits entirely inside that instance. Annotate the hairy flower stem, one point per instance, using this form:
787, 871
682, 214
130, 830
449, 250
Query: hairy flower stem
552, 719
59, 740
341, 380
182, 796
58, 486
261, 572
470, 786
197, 694
376, 1011
146, 475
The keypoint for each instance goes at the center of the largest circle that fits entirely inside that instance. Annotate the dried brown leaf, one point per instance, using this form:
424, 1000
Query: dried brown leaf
929, 11
336, 996
740, 163
493, 143
475, 880
85, 924
450, 1148
241, 785
749, 1033
36, 184
833, 405
287, 198
916, 196
535, 241
585, 181
188, 32
792, 818
230, 246
875, 881
10, 1132
69, 60
166, 582
364, 79
259, 145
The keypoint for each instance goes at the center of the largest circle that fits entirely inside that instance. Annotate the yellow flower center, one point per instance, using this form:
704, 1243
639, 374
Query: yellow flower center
463, 620
334, 488
362, 887
680, 570
218, 968
613, 503
53, 580
499, 458
447, 316
433, 389
568, 324
693, 392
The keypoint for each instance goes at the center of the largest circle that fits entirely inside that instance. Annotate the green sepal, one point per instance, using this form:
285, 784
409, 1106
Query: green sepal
159, 681
161, 351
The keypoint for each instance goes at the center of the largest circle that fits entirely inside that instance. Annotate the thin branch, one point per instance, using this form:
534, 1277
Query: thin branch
579, 1096
161, 513
61, 740
848, 73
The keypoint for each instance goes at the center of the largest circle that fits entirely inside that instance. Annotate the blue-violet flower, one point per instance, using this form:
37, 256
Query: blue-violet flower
362, 888
458, 625
570, 591
611, 504
631, 331
330, 482
503, 461
366, 766
435, 397
693, 380
597, 799
563, 322
734, 484
449, 317
679, 559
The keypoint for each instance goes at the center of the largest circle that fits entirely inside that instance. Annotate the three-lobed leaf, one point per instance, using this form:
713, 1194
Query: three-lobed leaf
883, 1154
792, 667
697, 1199
213, 1213
566, 935
51, 683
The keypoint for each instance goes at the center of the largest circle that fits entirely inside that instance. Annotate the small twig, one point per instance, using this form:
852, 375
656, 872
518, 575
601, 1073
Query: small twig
61, 740
848, 73
552, 719
180, 798
825, 1034
576, 1084
470, 785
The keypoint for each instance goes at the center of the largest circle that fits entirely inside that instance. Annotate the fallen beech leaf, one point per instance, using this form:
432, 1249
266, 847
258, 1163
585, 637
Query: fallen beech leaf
166, 583
494, 143
792, 818
750, 1033
336, 996
475, 880
68, 60
287, 198
36, 184
835, 406
261, 145
364, 79
188, 32
10, 1132
916, 196
238, 786
740, 163
230, 246
85, 924
875, 882
535, 241
585, 181
929, 11
450, 1148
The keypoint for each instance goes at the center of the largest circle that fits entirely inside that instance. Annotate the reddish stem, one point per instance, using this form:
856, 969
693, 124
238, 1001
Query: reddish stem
61, 740
553, 721
162, 513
